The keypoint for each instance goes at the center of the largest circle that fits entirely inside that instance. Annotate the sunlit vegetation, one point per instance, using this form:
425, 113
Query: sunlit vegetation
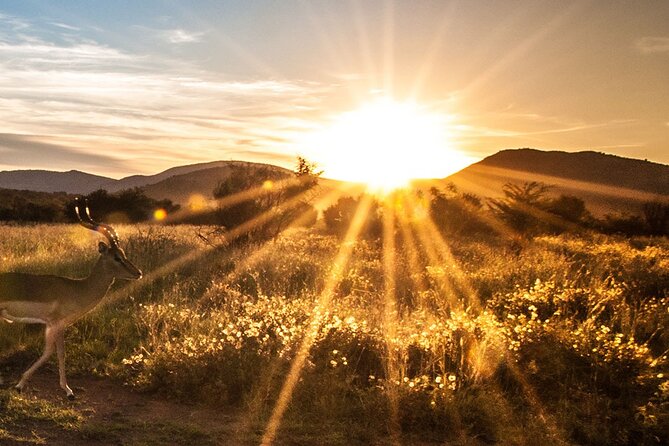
478, 338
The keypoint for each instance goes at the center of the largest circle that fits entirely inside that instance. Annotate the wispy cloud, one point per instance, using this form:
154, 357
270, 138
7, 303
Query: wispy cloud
531, 129
649, 45
182, 36
172, 36
66, 26
533, 124
14, 23
21, 151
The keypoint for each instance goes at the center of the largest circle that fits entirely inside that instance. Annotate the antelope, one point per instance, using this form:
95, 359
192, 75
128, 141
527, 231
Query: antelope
58, 302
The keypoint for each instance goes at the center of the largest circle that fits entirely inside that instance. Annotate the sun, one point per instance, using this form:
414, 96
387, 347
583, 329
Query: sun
385, 144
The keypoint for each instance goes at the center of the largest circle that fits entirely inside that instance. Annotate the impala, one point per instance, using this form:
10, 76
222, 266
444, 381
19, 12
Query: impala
57, 302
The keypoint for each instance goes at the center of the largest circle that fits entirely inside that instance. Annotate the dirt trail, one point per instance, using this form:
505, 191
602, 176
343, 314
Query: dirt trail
116, 415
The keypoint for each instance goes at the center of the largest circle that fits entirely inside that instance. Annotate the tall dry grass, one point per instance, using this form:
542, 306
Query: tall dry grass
567, 343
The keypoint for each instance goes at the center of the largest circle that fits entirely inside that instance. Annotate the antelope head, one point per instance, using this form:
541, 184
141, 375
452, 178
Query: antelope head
112, 256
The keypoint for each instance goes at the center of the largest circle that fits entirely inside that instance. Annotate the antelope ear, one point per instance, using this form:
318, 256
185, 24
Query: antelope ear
102, 247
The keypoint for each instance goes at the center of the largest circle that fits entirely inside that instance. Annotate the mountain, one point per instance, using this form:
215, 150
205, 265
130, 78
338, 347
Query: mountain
607, 183
73, 182
76, 182
180, 188
144, 180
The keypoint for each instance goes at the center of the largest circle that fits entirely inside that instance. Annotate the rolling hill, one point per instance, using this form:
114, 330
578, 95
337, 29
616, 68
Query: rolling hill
72, 182
147, 180
607, 183
76, 182
179, 188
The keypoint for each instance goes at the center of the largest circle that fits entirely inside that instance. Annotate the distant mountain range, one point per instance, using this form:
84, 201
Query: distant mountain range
607, 183
76, 182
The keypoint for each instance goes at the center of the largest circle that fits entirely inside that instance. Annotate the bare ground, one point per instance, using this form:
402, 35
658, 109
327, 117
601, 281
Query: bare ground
114, 414
109, 413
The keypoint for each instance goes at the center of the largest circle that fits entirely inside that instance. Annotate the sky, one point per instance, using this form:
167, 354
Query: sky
126, 87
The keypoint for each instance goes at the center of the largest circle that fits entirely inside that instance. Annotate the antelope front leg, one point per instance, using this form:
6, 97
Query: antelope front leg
49, 345
60, 351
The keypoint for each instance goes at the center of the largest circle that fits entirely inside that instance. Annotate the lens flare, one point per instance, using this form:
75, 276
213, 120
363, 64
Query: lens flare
159, 214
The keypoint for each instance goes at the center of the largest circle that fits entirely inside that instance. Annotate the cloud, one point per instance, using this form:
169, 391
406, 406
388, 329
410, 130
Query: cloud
83, 96
182, 36
66, 26
171, 35
649, 45
15, 23
22, 151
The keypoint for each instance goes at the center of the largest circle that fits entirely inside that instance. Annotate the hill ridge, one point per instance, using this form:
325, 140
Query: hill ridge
605, 182
588, 166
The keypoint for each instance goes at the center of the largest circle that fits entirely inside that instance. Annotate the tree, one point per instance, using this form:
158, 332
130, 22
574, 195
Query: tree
527, 209
339, 216
301, 193
521, 205
126, 206
625, 224
568, 207
306, 170
457, 213
274, 199
243, 178
656, 216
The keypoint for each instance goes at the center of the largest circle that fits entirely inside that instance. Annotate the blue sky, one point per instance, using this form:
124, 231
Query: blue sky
118, 88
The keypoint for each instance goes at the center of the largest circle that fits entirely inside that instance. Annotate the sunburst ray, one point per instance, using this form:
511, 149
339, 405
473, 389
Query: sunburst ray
390, 316
323, 301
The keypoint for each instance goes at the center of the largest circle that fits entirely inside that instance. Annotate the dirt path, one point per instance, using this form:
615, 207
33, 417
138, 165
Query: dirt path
113, 414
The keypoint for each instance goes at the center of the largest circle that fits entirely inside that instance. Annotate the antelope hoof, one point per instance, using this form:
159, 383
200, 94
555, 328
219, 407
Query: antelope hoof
18, 388
71, 397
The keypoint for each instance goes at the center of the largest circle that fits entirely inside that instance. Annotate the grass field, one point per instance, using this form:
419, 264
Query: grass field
420, 339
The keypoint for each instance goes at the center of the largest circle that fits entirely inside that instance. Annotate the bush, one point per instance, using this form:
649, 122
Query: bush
339, 216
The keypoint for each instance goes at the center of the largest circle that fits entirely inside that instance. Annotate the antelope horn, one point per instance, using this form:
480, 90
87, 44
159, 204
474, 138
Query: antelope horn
91, 224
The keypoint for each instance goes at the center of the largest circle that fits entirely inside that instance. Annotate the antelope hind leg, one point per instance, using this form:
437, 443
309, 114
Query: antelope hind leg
49, 346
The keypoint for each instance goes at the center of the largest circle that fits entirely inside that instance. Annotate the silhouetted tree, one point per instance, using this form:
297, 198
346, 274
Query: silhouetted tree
527, 209
126, 206
457, 214
304, 190
624, 224
568, 207
32, 206
339, 216
520, 208
656, 216
267, 196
